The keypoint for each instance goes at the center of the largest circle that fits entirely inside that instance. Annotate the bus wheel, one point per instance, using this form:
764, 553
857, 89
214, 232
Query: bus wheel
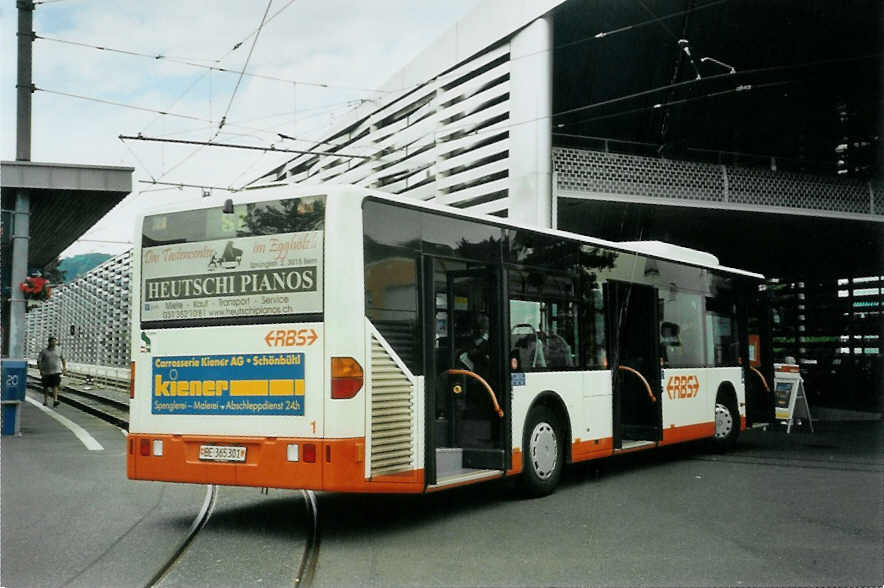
544, 453
727, 426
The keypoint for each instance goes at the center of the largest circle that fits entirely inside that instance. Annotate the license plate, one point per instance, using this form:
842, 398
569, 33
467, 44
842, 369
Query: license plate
222, 453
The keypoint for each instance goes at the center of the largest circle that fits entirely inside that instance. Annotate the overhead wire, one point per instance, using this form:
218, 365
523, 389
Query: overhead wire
180, 185
121, 104
738, 89
190, 62
254, 34
138, 159
211, 122
499, 128
245, 65
208, 73
663, 25
271, 148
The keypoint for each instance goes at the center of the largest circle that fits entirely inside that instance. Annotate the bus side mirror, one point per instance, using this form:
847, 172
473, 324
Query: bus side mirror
228, 206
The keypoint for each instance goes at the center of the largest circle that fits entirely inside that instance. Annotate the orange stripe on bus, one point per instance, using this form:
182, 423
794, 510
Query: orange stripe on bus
592, 449
339, 466
687, 433
517, 463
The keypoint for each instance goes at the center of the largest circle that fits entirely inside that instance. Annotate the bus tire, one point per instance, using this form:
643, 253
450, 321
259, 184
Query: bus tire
544, 452
727, 425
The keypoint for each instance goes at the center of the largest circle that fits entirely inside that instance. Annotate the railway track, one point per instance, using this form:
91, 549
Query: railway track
108, 399
105, 398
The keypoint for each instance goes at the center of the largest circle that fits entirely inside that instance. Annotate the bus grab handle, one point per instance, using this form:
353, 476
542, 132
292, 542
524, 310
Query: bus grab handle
642, 378
763, 380
482, 381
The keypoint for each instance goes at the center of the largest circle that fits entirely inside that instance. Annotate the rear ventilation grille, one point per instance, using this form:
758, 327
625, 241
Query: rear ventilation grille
392, 407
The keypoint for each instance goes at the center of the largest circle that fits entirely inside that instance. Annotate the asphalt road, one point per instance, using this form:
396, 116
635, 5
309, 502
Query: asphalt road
803, 509
798, 510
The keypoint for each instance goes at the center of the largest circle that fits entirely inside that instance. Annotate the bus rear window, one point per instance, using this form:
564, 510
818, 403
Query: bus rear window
264, 259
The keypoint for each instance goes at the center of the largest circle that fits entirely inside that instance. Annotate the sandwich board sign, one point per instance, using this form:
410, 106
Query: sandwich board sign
789, 396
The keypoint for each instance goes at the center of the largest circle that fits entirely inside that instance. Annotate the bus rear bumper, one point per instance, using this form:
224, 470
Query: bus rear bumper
317, 464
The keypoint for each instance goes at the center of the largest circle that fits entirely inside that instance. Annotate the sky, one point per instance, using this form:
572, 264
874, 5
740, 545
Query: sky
351, 47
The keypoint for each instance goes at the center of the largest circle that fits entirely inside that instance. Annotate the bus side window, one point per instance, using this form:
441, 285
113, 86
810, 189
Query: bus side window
592, 328
681, 333
525, 345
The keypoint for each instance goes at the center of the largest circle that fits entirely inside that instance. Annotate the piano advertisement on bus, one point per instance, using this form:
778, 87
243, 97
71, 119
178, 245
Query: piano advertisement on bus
252, 384
248, 276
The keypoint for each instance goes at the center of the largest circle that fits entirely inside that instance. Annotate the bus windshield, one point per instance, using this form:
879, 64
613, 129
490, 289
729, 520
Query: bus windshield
262, 260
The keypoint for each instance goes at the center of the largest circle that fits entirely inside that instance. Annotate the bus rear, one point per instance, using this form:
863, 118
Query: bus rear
228, 340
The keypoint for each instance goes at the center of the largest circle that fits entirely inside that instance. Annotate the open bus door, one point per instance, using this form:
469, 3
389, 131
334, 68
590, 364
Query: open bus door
634, 348
759, 357
466, 384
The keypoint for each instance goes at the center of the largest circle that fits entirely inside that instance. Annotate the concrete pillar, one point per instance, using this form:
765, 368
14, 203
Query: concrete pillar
21, 216
530, 169
19, 266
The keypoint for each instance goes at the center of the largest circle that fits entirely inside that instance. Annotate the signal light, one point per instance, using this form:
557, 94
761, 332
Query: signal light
346, 378
145, 447
309, 453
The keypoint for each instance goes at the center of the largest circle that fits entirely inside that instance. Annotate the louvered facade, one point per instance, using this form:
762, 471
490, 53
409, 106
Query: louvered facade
90, 316
445, 141
391, 414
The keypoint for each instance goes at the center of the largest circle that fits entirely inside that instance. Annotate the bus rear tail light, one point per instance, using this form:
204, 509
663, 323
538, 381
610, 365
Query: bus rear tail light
309, 453
131, 380
148, 447
346, 378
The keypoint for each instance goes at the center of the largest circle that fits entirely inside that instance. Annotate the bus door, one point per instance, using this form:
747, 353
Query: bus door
465, 379
757, 356
634, 349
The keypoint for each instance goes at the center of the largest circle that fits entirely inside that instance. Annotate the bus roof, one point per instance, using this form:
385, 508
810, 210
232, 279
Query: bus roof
657, 249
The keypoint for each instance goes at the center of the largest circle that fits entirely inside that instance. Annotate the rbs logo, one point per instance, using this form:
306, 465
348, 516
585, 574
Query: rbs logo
682, 387
291, 338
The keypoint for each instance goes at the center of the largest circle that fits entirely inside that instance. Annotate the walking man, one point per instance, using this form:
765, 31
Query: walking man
52, 365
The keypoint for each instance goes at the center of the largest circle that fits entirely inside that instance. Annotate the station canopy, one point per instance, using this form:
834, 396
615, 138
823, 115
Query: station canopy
65, 201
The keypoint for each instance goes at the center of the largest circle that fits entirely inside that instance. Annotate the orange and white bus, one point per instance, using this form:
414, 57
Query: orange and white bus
335, 338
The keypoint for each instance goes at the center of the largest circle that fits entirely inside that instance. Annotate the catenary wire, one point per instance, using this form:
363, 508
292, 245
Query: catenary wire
122, 105
271, 148
241, 73
232, 96
659, 105
191, 62
172, 114
221, 59
498, 128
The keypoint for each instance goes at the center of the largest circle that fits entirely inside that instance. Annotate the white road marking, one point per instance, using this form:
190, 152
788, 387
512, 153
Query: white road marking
81, 433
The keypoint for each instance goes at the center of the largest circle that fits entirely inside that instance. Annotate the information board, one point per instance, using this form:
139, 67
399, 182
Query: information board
790, 400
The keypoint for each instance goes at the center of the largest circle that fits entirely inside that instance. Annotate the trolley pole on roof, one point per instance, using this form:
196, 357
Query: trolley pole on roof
22, 211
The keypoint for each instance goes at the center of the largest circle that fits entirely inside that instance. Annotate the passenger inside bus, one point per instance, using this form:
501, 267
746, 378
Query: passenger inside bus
476, 357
